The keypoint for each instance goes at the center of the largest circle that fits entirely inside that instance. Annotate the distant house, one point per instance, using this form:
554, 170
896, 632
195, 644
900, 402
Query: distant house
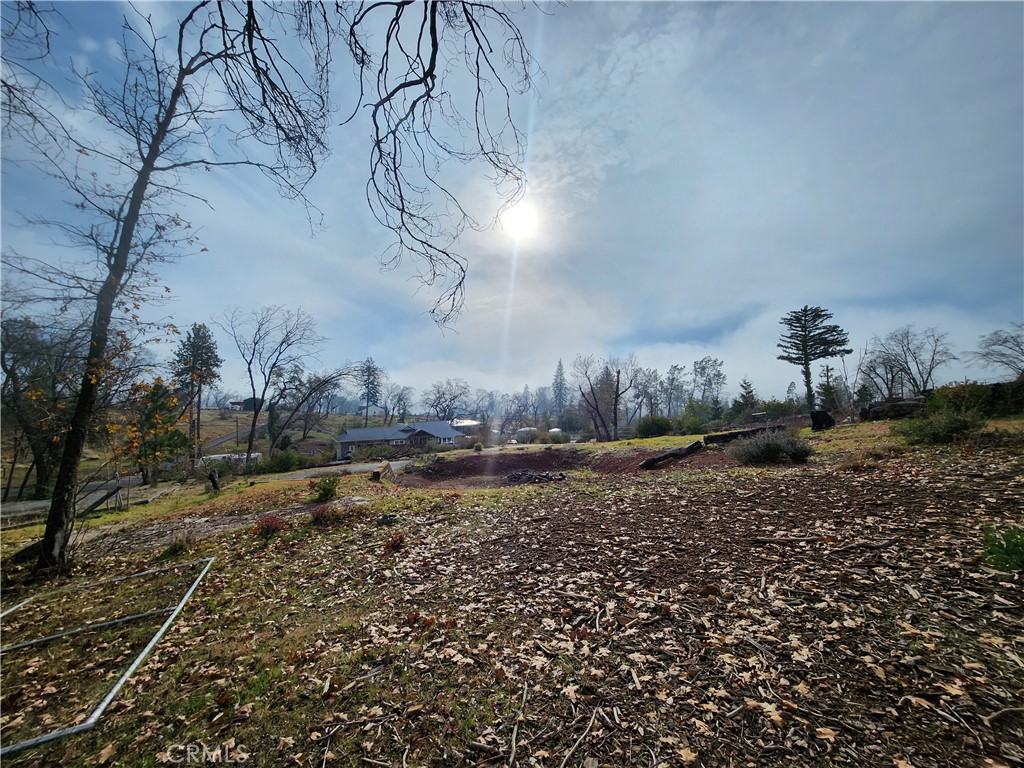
465, 426
415, 435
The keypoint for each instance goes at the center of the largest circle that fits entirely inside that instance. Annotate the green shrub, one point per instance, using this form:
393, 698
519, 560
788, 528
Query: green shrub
653, 426
771, 448
1004, 399
940, 428
373, 452
1005, 550
325, 488
478, 447
690, 425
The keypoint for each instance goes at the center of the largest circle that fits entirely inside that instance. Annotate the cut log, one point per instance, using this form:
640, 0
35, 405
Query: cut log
675, 453
383, 473
728, 437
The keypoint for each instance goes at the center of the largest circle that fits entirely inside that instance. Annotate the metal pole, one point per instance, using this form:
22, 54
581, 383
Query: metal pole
98, 712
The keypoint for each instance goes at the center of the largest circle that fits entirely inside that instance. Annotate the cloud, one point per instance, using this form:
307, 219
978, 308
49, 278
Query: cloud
699, 171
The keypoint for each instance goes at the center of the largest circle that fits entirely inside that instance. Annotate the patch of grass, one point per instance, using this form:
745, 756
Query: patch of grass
868, 458
181, 545
1005, 550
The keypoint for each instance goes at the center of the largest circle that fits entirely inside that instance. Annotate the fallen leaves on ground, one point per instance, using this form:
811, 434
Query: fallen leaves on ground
792, 616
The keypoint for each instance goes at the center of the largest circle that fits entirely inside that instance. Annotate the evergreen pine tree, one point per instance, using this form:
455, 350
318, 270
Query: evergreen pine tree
809, 337
195, 365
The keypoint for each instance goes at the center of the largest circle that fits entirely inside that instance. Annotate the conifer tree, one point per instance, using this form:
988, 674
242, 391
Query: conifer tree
809, 337
196, 364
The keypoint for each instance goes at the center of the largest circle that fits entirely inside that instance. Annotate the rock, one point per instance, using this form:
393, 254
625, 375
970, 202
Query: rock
893, 409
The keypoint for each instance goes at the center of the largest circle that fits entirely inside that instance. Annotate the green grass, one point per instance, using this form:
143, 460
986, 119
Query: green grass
1005, 549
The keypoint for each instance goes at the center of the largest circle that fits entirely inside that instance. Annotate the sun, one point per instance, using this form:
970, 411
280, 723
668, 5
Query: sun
521, 221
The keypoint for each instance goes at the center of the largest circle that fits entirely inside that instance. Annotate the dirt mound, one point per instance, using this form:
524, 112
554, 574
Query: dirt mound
503, 463
492, 468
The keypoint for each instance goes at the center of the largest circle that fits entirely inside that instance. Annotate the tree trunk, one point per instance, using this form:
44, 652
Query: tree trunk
199, 419
252, 435
14, 463
615, 405
24, 480
675, 453
807, 385
60, 519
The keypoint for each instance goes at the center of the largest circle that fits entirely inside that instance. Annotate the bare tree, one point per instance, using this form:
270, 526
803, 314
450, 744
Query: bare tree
1002, 349
159, 125
409, 87
446, 399
881, 374
395, 400
270, 114
302, 390
914, 355
514, 411
602, 384
270, 340
483, 407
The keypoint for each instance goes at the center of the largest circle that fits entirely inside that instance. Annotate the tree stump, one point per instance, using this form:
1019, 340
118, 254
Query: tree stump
383, 473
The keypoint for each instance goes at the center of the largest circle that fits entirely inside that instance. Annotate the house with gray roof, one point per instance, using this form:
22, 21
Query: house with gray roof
416, 435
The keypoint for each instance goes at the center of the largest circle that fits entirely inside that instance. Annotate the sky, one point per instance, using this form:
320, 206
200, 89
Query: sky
694, 172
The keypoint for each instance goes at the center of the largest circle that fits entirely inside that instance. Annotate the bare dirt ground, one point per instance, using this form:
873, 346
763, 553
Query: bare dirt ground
701, 614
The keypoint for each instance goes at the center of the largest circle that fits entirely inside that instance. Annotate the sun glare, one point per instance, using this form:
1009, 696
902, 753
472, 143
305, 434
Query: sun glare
520, 221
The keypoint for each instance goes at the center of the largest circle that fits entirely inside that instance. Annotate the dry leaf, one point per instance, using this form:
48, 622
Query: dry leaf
827, 734
106, 753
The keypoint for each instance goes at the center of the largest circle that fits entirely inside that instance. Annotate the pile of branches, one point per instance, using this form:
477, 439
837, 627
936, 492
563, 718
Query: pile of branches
527, 476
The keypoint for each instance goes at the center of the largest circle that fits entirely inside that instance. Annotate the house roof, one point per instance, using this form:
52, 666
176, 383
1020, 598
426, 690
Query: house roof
437, 429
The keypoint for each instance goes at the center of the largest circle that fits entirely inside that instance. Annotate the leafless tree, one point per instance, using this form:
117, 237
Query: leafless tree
914, 355
483, 407
395, 400
270, 340
422, 117
1002, 349
446, 399
271, 113
514, 411
305, 389
126, 179
602, 384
